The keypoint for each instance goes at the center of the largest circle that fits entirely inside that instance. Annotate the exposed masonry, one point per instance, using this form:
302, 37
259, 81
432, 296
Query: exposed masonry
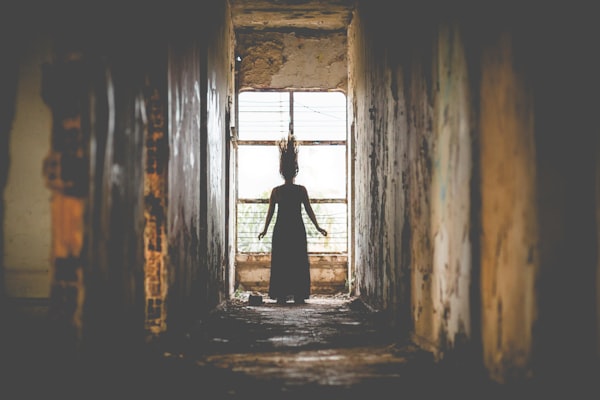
155, 196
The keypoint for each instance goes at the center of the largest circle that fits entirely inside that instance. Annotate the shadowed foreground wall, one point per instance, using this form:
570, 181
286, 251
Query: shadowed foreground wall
200, 85
475, 178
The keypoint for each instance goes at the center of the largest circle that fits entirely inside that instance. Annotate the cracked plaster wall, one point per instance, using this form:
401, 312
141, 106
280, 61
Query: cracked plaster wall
475, 216
200, 85
412, 112
292, 60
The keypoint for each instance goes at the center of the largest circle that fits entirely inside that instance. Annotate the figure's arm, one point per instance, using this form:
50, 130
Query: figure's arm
310, 212
269, 214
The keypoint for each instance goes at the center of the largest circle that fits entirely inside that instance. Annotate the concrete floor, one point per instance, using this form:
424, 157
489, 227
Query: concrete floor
332, 347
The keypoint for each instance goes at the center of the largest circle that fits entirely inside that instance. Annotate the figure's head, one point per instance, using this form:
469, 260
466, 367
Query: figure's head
288, 157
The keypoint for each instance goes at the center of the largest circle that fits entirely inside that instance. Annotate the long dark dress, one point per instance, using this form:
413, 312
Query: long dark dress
290, 269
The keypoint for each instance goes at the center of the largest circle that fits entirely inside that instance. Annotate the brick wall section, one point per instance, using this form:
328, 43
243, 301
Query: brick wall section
155, 192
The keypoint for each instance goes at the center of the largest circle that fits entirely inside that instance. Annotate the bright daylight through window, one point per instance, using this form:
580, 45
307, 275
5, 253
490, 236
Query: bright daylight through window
318, 121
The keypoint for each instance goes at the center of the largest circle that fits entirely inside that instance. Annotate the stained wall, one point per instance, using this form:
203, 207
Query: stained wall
470, 204
412, 114
300, 59
200, 66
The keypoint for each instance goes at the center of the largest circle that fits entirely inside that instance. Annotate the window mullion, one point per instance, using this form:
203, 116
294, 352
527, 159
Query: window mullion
291, 127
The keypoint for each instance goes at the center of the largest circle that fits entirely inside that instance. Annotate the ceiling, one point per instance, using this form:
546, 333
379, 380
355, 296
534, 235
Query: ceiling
296, 14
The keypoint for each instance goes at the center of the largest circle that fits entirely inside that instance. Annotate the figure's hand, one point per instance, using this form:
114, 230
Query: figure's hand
261, 235
323, 231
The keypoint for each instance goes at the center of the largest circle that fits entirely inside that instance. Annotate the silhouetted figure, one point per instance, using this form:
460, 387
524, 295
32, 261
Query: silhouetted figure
290, 268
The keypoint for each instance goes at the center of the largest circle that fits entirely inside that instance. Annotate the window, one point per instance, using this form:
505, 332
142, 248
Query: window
318, 121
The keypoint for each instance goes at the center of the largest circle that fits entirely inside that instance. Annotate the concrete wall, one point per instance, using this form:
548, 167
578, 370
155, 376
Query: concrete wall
183, 232
219, 109
328, 273
26, 214
459, 129
450, 190
412, 108
415, 121
113, 254
509, 252
380, 142
538, 164
200, 85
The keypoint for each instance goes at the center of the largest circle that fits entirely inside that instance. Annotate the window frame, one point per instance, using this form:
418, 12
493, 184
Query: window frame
314, 200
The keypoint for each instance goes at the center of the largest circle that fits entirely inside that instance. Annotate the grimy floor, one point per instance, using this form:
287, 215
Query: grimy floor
332, 347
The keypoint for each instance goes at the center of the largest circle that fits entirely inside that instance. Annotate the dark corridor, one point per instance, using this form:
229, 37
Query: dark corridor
474, 199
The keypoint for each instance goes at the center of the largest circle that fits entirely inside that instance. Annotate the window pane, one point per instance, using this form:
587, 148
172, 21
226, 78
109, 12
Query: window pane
250, 222
263, 115
258, 171
320, 115
331, 217
322, 169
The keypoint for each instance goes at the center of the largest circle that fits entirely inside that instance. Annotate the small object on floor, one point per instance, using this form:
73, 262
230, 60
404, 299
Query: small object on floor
255, 299
281, 301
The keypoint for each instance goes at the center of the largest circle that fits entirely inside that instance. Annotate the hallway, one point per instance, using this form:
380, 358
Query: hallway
468, 200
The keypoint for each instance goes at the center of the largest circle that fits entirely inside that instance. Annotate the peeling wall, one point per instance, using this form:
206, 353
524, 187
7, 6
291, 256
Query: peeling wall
380, 139
539, 149
502, 246
413, 115
183, 233
450, 192
219, 99
200, 64
292, 60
